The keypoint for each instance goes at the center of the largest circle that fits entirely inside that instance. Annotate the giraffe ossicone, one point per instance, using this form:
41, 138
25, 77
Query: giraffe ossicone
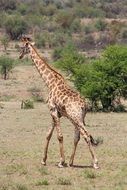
62, 101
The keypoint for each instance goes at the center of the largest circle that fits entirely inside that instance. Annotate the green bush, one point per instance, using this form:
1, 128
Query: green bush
5, 41
15, 26
57, 53
59, 39
100, 25
70, 59
6, 65
64, 18
40, 40
124, 33
104, 79
27, 104
76, 26
23, 8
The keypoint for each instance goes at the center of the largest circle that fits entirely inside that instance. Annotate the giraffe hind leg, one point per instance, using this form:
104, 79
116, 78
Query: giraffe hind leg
76, 140
88, 138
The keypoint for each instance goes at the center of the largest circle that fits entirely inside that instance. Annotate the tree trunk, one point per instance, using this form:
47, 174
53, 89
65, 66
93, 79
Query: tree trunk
5, 73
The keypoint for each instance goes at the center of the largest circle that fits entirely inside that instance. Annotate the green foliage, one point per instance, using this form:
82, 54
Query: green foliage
42, 182
65, 18
5, 41
15, 26
104, 79
40, 40
57, 53
22, 8
27, 104
76, 26
70, 59
124, 33
100, 25
6, 65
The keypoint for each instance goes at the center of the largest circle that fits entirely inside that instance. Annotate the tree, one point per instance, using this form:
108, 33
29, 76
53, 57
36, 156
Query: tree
104, 80
15, 26
70, 59
6, 65
5, 42
65, 19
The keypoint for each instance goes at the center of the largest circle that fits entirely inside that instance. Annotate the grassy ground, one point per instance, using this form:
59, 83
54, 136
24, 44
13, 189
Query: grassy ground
22, 137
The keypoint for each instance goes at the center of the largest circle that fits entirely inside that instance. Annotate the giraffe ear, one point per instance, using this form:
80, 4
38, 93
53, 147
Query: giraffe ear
32, 43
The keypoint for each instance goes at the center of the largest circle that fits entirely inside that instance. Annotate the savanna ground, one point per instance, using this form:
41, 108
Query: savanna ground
22, 138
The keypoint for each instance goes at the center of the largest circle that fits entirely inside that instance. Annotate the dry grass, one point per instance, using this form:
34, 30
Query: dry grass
22, 137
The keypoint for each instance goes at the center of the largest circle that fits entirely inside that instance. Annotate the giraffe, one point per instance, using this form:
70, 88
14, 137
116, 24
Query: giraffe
62, 101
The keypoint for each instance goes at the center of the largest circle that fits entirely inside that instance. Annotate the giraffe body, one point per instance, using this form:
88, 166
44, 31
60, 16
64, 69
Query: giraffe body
62, 101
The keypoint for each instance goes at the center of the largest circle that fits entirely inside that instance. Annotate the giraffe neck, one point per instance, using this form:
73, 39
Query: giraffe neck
50, 76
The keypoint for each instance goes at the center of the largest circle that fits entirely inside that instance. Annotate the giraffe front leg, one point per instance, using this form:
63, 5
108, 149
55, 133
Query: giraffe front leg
76, 140
60, 139
56, 120
48, 137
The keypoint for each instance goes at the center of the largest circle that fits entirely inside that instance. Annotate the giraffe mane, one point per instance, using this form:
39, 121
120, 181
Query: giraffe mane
43, 59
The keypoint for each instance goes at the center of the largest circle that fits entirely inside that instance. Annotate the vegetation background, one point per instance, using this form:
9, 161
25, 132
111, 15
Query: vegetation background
85, 40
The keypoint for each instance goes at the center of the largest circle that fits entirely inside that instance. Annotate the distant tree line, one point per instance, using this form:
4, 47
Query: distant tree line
54, 22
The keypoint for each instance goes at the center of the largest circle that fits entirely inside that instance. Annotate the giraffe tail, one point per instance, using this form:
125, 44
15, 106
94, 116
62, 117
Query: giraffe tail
93, 141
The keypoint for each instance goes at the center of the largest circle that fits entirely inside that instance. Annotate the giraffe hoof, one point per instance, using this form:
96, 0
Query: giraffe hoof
95, 166
70, 164
43, 163
60, 165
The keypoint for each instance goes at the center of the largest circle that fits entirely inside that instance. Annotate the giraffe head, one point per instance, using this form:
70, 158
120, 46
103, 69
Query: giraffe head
25, 49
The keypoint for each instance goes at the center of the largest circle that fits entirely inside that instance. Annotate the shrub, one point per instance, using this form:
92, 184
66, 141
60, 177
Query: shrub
5, 41
15, 26
57, 53
86, 42
50, 10
40, 40
59, 39
70, 59
105, 79
124, 33
88, 28
27, 104
76, 26
23, 8
119, 108
6, 65
100, 25
64, 19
